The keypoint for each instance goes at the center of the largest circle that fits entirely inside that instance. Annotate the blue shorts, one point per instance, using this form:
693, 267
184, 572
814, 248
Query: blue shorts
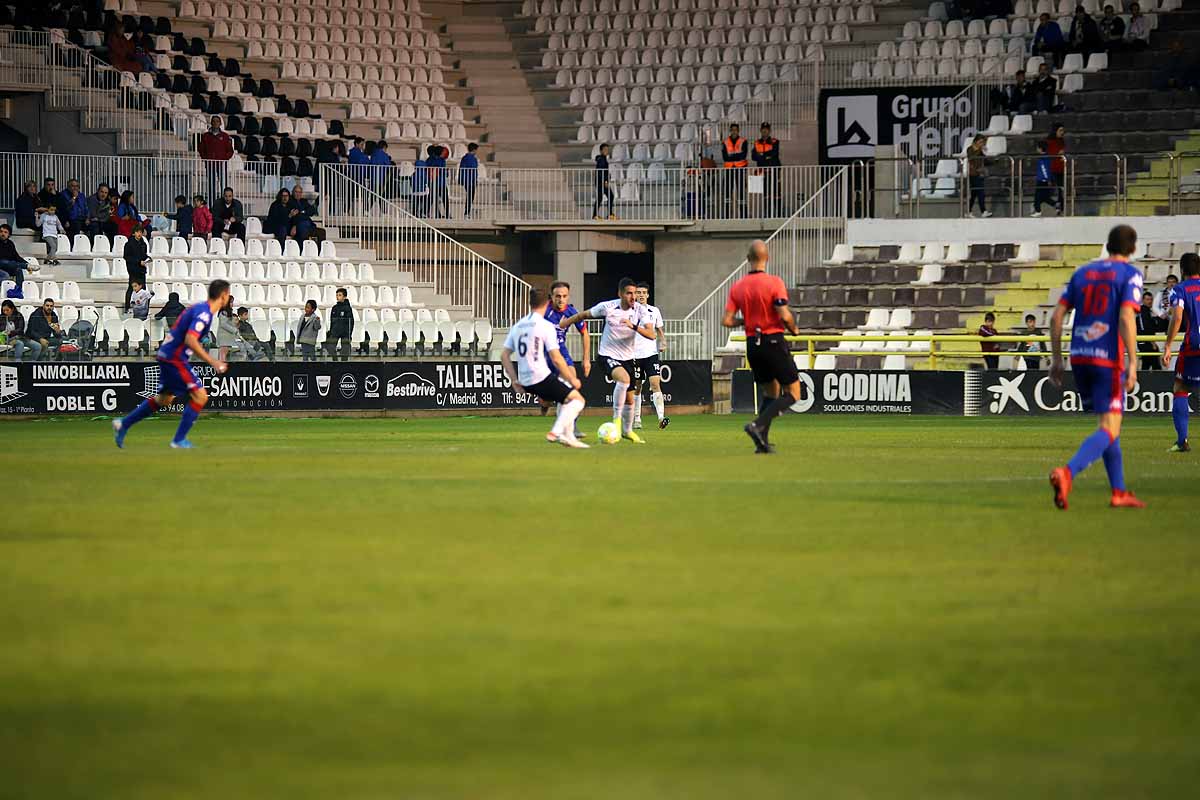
1187, 369
1102, 389
562, 351
176, 378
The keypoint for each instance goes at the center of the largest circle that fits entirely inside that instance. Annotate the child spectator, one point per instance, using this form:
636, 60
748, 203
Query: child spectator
171, 309
51, 227
202, 219
987, 330
977, 171
307, 329
1044, 189
183, 216
1031, 329
139, 300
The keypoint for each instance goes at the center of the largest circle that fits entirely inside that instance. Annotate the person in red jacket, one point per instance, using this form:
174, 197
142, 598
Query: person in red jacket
202, 219
216, 148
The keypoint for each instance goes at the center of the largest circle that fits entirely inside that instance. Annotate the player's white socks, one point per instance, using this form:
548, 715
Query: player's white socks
627, 418
637, 411
659, 406
619, 391
565, 424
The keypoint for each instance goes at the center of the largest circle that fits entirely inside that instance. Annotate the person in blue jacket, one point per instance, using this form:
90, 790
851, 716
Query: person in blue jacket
420, 188
468, 176
380, 161
73, 208
358, 159
1044, 191
1048, 40
436, 163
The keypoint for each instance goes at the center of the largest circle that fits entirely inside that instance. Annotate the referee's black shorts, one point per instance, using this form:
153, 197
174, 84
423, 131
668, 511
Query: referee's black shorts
770, 359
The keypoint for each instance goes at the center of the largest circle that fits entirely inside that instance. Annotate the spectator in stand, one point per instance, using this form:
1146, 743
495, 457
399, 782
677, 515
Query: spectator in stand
253, 348
358, 159
51, 227
300, 214
1137, 33
137, 256
143, 49
171, 309
1162, 310
308, 327
1084, 36
977, 171
1031, 329
1017, 98
1048, 40
128, 216
1148, 325
380, 160
468, 177
100, 219
12, 266
279, 216
436, 164
73, 208
1043, 191
47, 196
735, 152
216, 148
328, 153
988, 330
766, 158
183, 216
227, 333
1056, 148
139, 300
421, 192
1045, 89
603, 186
12, 325
202, 218
25, 207
1112, 29
231, 215
43, 327
341, 327
121, 51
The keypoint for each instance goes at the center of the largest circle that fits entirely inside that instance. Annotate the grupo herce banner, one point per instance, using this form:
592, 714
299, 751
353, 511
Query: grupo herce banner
863, 392
853, 122
106, 388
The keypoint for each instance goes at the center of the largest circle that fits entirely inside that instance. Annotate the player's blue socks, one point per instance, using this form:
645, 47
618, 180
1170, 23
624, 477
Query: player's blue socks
191, 412
1179, 412
1114, 465
1090, 451
144, 409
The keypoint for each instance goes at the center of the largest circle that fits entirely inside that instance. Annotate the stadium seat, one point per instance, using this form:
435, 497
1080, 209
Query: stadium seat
842, 254
930, 274
910, 253
895, 363
900, 319
825, 362
877, 320
1027, 253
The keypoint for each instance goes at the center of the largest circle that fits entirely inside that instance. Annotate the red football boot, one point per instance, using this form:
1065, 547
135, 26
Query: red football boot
1124, 499
1060, 479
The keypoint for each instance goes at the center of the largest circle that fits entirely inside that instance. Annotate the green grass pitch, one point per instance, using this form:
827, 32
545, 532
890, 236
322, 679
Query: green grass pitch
451, 608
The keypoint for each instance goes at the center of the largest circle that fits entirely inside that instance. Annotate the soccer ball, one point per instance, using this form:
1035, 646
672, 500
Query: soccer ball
609, 433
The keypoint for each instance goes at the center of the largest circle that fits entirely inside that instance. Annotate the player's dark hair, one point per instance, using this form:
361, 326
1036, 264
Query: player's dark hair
1122, 240
538, 298
1189, 265
643, 285
560, 285
625, 284
217, 288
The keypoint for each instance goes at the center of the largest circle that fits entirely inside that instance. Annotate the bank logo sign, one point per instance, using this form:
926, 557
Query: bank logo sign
9, 385
1008, 390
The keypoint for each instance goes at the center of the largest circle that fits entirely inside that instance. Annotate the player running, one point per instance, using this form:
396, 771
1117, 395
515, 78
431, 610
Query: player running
559, 308
1106, 294
763, 301
1185, 314
622, 325
180, 343
646, 351
535, 341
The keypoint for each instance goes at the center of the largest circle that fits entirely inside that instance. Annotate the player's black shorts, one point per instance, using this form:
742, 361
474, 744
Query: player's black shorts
770, 360
629, 365
552, 388
649, 367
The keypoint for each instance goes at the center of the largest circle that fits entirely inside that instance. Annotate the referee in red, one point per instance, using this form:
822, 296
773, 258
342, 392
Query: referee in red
763, 301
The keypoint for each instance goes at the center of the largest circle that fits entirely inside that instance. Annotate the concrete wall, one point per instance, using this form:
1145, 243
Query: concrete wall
56, 131
687, 267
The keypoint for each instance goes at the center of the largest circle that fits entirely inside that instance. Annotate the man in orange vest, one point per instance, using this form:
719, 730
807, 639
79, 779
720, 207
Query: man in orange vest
766, 156
735, 152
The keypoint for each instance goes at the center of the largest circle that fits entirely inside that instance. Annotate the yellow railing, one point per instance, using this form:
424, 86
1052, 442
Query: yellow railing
932, 347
